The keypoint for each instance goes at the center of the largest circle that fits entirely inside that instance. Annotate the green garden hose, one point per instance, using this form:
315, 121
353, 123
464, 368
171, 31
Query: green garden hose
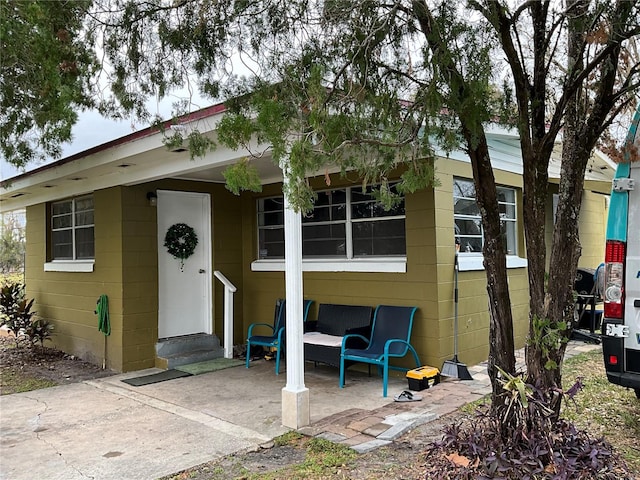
102, 310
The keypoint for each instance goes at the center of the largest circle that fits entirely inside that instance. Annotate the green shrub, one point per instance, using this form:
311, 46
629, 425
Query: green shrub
17, 315
40, 330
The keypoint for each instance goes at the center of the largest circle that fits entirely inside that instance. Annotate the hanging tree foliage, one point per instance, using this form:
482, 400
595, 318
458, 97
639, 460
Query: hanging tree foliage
48, 66
368, 86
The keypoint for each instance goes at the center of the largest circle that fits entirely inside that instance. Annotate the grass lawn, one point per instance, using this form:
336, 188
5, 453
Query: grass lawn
603, 409
14, 381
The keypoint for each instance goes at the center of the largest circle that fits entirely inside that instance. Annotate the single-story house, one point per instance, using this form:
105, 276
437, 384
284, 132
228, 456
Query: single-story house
97, 222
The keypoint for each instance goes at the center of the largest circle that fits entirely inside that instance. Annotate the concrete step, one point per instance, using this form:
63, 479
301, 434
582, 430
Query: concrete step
175, 351
177, 359
186, 343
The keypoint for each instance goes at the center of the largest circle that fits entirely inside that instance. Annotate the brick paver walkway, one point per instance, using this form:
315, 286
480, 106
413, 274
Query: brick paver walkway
365, 430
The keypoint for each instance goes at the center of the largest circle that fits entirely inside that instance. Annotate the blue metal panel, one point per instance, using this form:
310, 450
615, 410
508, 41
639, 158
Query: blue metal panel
618, 212
619, 206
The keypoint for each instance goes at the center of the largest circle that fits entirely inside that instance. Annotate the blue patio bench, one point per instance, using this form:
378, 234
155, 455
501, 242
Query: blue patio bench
323, 337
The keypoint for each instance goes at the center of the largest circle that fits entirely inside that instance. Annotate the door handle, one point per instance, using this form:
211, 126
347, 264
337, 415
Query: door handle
202, 270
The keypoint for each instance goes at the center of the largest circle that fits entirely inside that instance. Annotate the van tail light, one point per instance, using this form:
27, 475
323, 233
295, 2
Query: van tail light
614, 279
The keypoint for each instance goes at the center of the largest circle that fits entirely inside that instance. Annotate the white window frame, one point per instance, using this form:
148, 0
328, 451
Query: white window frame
346, 222
474, 260
347, 263
70, 264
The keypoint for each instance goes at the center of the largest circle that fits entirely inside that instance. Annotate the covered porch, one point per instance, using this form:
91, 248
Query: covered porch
132, 182
159, 429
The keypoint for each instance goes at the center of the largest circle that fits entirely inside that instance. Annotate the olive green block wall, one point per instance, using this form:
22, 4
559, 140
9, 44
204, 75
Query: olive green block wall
427, 284
140, 272
592, 224
416, 287
227, 257
226, 237
125, 269
139, 279
473, 312
593, 229
68, 299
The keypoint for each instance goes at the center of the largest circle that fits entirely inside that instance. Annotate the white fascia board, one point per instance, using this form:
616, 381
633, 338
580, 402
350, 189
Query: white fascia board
504, 155
101, 160
496, 130
146, 165
59, 175
169, 168
110, 156
604, 158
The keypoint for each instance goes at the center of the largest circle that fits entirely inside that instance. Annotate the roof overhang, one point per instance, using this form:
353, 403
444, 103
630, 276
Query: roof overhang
142, 157
137, 158
600, 167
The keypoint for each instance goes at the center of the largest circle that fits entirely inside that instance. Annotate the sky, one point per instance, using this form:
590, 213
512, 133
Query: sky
91, 130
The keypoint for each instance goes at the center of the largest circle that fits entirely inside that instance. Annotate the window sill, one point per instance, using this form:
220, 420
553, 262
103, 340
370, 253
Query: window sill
369, 265
83, 266
469, 263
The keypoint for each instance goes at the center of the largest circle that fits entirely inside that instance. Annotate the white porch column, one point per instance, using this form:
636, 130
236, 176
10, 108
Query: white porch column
295, 396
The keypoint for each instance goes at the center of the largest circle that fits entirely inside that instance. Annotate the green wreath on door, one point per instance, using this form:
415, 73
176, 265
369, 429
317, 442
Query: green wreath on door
181, 241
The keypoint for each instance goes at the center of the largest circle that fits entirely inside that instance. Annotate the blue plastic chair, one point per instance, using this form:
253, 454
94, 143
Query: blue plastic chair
277, 337
390, 335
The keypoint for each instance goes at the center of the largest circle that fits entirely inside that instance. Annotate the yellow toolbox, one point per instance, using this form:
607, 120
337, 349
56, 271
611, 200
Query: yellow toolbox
423, 377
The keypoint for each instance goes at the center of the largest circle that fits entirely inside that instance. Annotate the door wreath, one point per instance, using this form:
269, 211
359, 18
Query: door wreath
181, 241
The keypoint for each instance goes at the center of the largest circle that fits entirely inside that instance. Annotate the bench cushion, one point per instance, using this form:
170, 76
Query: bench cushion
322, 339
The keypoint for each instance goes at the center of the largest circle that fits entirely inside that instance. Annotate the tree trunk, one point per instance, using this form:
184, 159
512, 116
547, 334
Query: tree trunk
551, 327
501, 346
550, 321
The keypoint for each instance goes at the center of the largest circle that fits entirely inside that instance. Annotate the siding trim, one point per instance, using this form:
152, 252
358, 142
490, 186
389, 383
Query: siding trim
69, 266
467, 263
379, 265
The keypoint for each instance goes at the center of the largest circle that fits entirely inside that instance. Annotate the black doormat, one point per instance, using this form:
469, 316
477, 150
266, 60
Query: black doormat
156, 377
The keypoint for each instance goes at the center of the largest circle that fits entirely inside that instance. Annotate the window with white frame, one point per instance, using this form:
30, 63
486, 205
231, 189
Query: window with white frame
469, 233
345, 223
72, 229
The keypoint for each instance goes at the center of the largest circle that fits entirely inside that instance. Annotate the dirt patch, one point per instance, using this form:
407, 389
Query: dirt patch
28, 368
407, 458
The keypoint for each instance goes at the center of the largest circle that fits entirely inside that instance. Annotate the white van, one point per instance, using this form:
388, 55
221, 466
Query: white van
621, 324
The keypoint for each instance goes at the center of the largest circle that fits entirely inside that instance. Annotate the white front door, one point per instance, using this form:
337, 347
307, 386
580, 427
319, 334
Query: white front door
184, 291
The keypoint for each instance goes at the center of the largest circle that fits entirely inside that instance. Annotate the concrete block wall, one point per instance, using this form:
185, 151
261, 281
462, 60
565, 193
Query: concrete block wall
68, 299
125, 269
592, 229
139, 278
473, 311
428, 282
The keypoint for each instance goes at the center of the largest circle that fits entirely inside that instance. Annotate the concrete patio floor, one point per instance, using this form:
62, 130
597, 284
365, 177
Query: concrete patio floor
107, 429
